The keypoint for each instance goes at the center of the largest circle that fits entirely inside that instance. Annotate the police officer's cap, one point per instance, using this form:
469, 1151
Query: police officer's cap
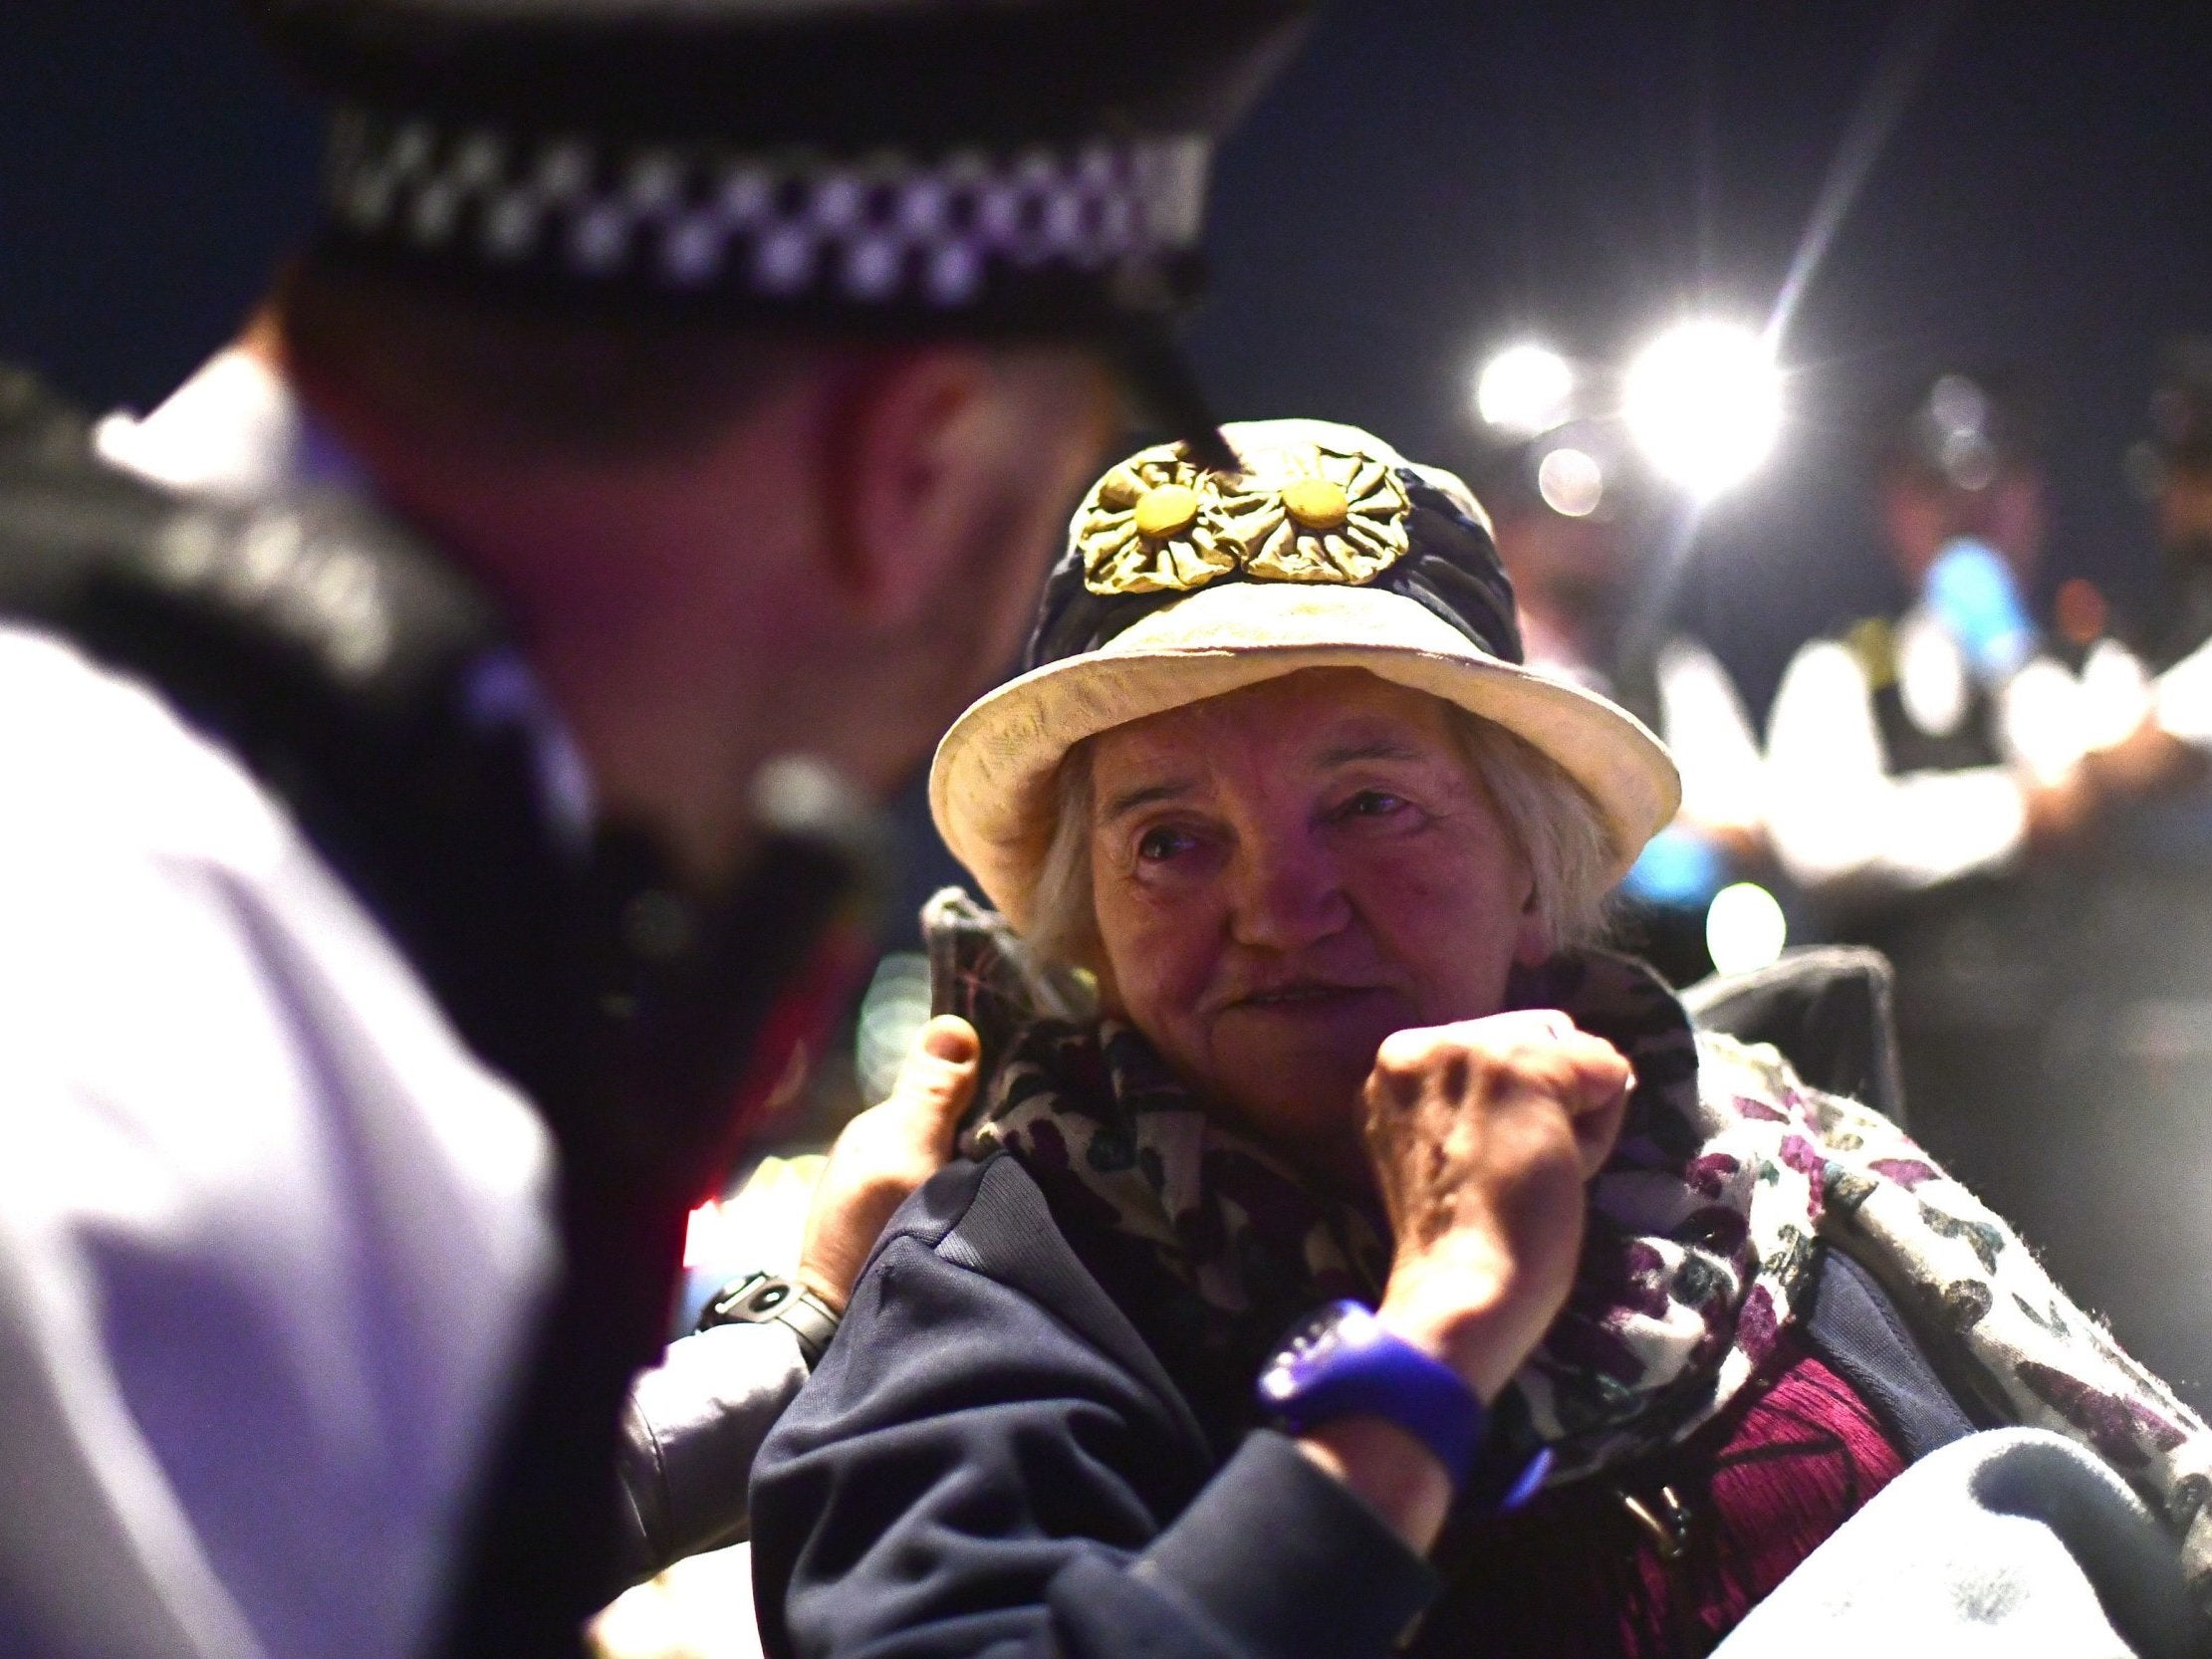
902, 167
1960, 429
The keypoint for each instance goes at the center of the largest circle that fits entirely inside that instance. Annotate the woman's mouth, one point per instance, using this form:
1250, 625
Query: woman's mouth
1302, 993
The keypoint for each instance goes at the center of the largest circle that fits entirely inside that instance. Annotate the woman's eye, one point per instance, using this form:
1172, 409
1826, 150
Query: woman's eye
1157, 845
1373, 804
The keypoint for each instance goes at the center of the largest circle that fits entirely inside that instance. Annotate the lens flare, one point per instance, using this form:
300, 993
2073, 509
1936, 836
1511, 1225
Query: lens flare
1524, 389
1704, 402
1570, 482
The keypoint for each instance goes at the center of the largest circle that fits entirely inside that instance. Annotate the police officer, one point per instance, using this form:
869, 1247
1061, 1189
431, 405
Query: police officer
1903, 750
437, 740
1931, 783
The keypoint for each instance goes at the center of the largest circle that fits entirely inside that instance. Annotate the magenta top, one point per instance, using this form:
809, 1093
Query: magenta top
1580, 1574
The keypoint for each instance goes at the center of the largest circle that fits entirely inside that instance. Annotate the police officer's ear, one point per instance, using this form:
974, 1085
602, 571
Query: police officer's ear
930, 456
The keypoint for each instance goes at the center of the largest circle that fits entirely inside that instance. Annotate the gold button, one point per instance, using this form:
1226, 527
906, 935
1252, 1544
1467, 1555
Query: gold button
1168, 510
1317, 504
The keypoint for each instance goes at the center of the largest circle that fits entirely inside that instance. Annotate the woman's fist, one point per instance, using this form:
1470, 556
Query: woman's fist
1483, 1135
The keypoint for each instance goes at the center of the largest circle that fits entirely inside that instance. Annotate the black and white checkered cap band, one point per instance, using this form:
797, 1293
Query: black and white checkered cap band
882, 229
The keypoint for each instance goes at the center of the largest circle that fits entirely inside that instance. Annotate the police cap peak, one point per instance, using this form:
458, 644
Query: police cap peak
842, 72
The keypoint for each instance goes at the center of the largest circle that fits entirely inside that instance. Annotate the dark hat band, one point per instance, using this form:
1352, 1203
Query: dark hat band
957, 234
1451, 568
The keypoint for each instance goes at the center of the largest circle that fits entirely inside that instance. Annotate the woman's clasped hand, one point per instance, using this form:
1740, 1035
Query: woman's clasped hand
1483, 1135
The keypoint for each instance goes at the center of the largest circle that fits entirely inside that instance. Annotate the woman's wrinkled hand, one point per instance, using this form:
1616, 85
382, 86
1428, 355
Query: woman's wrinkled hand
884, 1153
1484, 1135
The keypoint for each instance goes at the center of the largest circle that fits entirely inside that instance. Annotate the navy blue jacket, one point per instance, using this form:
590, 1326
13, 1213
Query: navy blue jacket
990, 1460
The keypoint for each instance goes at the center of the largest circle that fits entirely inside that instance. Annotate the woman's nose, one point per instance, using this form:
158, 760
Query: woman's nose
1287, 895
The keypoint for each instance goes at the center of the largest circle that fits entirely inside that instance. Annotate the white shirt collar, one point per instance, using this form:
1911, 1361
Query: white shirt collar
235, 429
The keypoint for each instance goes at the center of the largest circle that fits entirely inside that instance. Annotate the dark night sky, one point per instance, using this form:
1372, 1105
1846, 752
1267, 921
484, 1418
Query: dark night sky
1429, 178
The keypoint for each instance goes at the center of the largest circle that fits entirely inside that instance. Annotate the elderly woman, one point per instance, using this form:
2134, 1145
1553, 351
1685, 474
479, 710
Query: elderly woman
1346, 1249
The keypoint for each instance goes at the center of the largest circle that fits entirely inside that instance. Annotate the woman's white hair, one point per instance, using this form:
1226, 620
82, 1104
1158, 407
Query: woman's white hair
1555, 825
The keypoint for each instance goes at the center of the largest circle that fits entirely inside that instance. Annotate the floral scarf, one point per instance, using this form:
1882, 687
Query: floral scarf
1698, 1253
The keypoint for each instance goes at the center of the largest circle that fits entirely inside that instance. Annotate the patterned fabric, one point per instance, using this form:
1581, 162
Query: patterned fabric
1698, 1251
890, 228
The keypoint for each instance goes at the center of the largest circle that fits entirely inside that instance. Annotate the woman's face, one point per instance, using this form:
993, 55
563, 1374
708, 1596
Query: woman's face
1286, 875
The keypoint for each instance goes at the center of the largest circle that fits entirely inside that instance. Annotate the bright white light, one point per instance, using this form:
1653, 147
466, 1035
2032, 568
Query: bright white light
760, 1226
1570, 483
1744, 928
1524, 389
1704, 402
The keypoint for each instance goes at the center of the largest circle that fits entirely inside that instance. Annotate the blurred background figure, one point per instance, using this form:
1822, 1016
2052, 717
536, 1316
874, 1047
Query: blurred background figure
1912, 770
1997, 801
1905, 747
1582, 513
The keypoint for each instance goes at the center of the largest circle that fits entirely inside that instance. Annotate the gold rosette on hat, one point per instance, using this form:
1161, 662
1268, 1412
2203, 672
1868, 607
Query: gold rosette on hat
1155, 524
1313, 515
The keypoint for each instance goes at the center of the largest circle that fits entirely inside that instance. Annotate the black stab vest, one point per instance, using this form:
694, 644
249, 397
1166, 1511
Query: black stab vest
1908, 746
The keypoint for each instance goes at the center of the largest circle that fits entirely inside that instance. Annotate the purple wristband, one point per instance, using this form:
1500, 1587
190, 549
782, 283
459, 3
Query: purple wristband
1342, 1362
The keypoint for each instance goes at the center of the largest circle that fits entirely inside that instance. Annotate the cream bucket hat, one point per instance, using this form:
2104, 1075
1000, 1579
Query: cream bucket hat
1329, 550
